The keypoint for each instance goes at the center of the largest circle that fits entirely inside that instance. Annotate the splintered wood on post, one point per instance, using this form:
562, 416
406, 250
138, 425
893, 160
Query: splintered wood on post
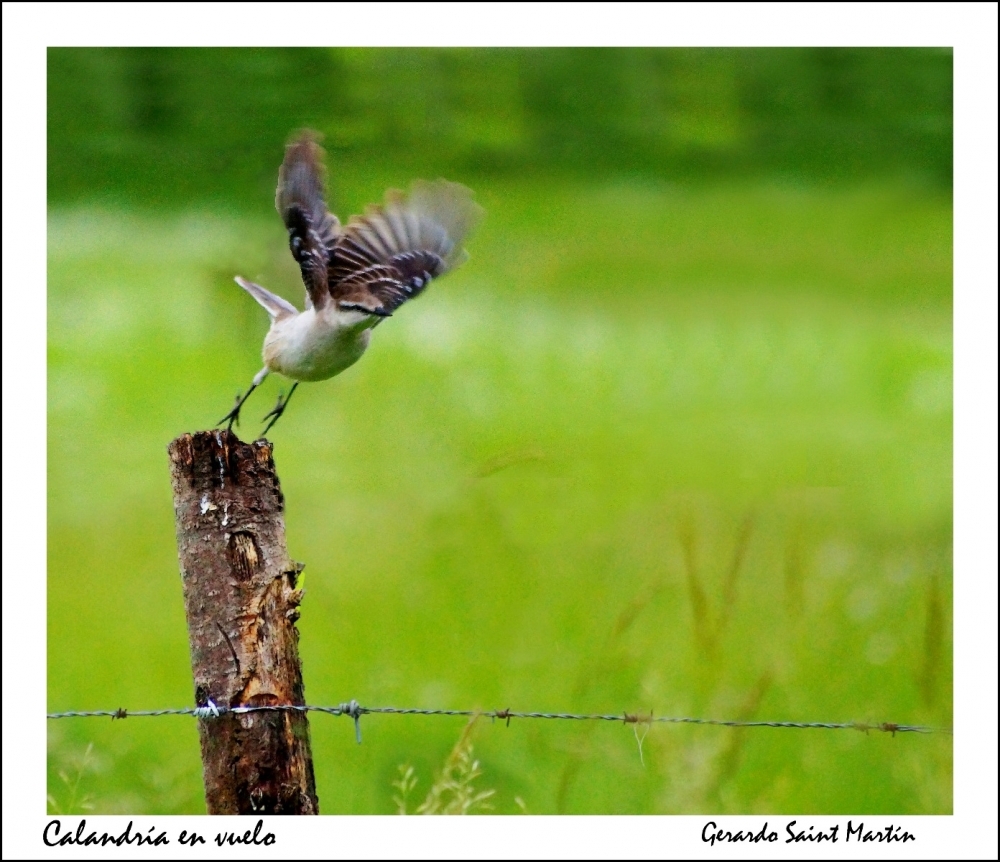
241, 601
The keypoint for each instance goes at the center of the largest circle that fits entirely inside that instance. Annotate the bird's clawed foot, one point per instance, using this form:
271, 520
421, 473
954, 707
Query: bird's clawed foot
233, 416
279, 408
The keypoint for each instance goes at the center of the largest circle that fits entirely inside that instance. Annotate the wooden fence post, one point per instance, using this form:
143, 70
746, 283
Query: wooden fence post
241, 602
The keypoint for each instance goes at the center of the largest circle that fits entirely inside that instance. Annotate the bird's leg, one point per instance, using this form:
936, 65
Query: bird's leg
279, 408
234, 414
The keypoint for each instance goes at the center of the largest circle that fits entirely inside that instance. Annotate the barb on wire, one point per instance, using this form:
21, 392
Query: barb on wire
354, 710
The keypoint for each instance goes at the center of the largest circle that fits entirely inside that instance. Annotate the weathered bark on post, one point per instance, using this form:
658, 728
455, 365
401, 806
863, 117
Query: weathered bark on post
241, 602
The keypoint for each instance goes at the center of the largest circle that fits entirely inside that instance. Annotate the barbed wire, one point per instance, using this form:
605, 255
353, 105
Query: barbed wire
354, 710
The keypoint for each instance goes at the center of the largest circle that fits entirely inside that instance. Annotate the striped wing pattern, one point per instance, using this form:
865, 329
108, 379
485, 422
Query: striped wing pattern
392, 252
381, 259
312, 229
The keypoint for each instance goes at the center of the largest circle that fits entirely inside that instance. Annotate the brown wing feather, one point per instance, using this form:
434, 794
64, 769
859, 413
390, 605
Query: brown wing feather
312, 229
393, 251
375, 290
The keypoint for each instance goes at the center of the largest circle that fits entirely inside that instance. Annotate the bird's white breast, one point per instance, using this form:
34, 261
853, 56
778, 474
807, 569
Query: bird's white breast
316, 345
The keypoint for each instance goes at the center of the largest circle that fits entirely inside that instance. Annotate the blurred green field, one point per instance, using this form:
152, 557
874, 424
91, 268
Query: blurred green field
685, 449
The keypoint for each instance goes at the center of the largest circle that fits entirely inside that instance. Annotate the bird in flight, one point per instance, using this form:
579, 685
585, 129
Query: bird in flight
355, 275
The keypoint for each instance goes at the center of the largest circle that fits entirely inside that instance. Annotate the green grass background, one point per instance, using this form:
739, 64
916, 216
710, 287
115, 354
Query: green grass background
680, 447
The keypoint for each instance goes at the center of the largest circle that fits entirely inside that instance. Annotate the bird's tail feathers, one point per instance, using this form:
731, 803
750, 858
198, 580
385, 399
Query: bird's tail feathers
273, 304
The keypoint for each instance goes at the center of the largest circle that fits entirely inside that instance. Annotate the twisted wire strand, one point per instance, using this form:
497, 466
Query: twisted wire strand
354, 710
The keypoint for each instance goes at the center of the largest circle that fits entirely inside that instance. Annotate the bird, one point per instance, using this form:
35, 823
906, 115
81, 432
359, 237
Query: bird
355, 275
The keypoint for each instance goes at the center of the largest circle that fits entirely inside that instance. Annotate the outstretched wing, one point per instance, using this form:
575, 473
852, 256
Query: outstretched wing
392, 252
312, 229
